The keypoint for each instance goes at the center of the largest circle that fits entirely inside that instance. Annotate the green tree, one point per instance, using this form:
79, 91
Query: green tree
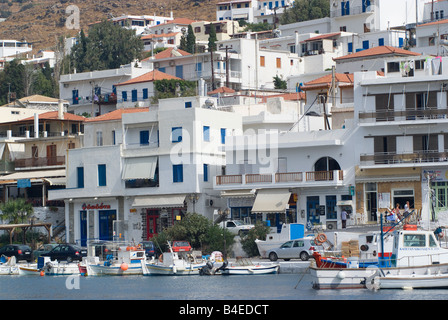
16, 210
11, 80
170, 88
212, 38
108, 46
304, 10
248, 242
183, 40
191, 41
279, 83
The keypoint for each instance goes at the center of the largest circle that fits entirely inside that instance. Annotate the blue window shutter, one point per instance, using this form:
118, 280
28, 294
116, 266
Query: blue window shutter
101, 175
80, 173
206, 133
381, 42
178, 174
350, 47
188, 104
134, 95
205, 172
223, 135
145, 94
75, 96
365, 44
144, 137
124, 95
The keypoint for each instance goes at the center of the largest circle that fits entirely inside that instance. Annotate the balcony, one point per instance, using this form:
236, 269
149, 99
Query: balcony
408, 115
40, 162
393, 158
293, 179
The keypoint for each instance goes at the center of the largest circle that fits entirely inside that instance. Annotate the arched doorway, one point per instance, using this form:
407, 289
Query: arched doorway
326, 164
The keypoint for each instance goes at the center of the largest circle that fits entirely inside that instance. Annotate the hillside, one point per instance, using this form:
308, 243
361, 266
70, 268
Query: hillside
43, 21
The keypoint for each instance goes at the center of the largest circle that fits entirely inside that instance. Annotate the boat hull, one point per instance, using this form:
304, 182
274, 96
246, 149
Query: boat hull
249, 270
101, 270
9, 270
412, 282
356, 278
27, 271
61, 269
158, 269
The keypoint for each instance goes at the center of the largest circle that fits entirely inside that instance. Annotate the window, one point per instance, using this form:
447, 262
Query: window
145, 94
134, 95
101, 175
99, 138
365, 5
331, 207
80, 177
279, 62
223, 135
414, 240
345, 8
393, 67
188, 104
206, 131
350, 47
178, 174
176, 134
124, 96
205, 172
381, 41
144, 137
114, 141
262, 62
75, 96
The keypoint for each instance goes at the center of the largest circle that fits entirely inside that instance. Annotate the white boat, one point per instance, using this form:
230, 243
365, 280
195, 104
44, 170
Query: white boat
255, 269
174, 263
57, 268
128, 261
9, 267
414, 252
25, 270
414, 281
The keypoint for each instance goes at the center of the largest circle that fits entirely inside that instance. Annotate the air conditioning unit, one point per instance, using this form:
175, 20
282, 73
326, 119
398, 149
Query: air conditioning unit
332, 225
209, 202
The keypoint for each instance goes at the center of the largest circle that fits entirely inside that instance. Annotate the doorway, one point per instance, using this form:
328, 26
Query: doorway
371, 201
83, 227
312, 206
151, 223
106, 227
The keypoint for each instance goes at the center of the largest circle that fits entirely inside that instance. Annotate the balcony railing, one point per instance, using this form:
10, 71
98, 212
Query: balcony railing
380, 116
399, 158
40, 162
284, 177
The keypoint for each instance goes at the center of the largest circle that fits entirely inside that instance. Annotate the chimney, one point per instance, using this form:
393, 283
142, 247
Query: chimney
60, 110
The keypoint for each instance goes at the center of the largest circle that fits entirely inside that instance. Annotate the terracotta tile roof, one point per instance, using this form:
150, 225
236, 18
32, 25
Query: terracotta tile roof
149, 76
221, 90
292, 96
185, 21
53, 115
170, 53
342, 79
116, 114
433, 23
322, 36
378, 51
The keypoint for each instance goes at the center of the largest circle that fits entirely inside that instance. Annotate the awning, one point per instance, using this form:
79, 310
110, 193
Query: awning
56, 181
271, 201
165, 201
238, 193
139, 168
34, 175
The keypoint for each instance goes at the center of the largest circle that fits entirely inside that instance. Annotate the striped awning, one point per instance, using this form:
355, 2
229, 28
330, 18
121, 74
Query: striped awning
271, 201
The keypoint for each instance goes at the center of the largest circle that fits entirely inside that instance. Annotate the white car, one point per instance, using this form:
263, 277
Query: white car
236, 226
295, 249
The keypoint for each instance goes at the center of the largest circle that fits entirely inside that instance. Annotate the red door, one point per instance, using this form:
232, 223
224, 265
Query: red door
151, 224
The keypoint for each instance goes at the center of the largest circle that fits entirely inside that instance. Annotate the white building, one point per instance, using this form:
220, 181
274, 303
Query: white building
14, 48
160, 167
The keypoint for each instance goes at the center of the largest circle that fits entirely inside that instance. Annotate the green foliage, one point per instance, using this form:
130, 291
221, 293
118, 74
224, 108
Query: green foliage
16, 210
248, 242
279, 83
11, 79
304, 10
256, 27
191, 41
108, 46
199, 231
170, 88
212, 38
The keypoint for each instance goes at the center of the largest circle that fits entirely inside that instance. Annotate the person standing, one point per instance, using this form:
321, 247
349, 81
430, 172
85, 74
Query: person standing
344, 218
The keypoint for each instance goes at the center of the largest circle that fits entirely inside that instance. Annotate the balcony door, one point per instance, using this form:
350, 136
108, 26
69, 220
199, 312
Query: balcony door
51, 155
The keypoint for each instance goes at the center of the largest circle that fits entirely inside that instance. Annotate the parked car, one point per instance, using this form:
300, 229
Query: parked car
237, 227
295, 249
149, 248
181, 246
66, 252
20, 251
45, 248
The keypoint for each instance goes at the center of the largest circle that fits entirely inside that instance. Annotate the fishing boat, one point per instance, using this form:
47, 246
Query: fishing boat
29, 270
174, 263
413, 281
240, 267
128, 261
8, 266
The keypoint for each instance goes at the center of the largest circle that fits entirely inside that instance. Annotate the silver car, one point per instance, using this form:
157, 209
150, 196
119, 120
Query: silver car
295, 249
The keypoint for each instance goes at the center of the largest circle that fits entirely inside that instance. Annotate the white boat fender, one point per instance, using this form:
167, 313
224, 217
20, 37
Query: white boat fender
174, 269
341, 275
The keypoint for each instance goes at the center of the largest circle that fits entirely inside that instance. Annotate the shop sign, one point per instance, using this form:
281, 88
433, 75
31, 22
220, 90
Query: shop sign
435, 175
87, 206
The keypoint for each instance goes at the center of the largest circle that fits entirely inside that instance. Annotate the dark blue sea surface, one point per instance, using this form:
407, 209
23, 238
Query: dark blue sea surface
258, 287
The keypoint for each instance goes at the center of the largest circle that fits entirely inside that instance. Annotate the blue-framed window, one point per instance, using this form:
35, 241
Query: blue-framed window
134, 95
206, 131
205, 172
381, 42
178, 173
145, 93
124, 95
188, 104
365, 5
144, 137
80, 176
345, 8
176, 134
350, 47
223, 135
365, 44
101, 175
75, 96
